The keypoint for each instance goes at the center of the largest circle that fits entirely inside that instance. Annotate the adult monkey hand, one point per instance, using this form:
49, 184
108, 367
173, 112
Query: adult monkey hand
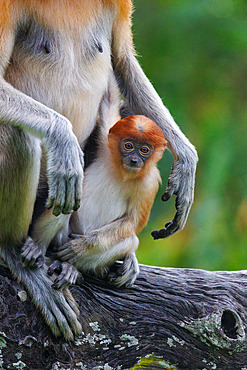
180, 183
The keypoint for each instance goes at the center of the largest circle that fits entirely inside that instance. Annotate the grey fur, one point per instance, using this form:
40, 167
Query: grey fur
25, 124
48, 78
59, 309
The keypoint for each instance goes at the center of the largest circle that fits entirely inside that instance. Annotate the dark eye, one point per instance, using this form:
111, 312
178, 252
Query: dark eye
128, 146
145, 150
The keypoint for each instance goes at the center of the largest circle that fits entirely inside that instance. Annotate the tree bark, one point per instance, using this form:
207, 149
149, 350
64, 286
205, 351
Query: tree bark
171, 318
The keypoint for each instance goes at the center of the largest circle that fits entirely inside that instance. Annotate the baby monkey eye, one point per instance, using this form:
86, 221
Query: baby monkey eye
145, 149
128, 145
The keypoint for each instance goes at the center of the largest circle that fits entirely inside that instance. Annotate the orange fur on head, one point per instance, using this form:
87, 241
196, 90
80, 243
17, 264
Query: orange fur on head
72, 13
138, 128
5, 12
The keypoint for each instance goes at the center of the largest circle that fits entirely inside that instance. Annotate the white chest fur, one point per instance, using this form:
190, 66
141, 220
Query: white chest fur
106, 203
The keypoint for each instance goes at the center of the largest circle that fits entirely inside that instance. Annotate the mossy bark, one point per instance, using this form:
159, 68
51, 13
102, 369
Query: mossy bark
171, 318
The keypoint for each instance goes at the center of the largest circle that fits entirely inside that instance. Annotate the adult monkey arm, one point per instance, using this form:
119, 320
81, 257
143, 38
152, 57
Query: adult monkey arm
22, 120
65, 159
143, 99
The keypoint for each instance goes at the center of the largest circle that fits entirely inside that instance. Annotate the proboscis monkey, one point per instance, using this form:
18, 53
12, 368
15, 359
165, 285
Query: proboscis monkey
55, 61
118, 193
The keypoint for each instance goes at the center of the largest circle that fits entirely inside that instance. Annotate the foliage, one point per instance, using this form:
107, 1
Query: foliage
195, 53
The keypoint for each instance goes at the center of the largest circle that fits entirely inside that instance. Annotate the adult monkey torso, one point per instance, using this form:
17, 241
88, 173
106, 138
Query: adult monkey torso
62, 57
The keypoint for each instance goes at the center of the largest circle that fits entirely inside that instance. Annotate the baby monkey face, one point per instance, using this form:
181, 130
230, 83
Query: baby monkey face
134, 154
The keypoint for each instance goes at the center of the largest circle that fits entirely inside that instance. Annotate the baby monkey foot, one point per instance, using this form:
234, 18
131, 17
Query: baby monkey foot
126, 273
67, 274
32, 255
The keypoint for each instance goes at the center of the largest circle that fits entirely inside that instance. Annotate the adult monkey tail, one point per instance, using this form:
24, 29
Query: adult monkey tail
58, 307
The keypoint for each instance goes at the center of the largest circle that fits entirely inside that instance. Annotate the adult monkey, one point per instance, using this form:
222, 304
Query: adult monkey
58, 58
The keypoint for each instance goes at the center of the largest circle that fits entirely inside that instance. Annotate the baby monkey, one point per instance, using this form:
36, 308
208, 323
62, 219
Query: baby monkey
118, 192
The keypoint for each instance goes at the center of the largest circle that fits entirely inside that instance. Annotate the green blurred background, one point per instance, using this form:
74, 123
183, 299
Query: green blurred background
195, 54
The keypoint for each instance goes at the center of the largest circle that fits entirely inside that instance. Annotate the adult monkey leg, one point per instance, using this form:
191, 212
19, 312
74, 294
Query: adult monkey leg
19, 174
143, 99
24, 125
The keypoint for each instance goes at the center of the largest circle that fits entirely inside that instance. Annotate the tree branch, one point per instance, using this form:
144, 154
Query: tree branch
176, 318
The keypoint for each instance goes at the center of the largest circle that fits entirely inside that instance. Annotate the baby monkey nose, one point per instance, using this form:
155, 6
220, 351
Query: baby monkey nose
134, 160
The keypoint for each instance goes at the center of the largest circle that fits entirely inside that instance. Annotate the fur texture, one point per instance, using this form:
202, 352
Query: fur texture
56, 61
116, 204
